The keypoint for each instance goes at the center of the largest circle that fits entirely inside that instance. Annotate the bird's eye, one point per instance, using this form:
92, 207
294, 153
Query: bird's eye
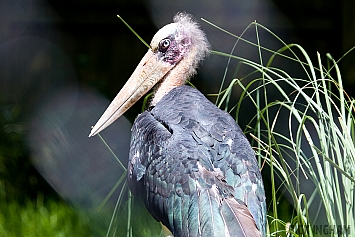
164, 45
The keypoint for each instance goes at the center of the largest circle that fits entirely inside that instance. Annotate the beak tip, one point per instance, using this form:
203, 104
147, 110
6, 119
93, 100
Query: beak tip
93, 132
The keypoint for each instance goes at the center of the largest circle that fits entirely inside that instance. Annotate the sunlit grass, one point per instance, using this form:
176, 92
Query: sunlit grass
42, 219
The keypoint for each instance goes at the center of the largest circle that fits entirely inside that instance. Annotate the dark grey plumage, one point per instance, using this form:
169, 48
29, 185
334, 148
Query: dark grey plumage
195, 170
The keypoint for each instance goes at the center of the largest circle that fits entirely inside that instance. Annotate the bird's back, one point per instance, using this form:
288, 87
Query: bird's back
195, 170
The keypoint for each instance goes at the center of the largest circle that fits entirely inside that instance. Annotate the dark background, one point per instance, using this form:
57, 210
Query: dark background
62, 61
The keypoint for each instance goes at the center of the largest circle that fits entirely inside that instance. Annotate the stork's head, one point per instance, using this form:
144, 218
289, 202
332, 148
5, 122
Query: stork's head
174, 54
180, 40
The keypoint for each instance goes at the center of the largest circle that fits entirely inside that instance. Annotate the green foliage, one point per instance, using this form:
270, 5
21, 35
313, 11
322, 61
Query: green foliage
51, 218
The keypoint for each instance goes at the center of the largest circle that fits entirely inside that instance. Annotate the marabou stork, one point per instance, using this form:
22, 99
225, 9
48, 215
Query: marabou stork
189, 161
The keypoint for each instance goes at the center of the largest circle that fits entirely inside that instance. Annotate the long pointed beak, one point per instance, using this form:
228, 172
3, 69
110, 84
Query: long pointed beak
149, 71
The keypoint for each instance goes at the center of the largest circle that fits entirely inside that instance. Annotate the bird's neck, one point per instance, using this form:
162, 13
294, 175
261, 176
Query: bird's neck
177, 76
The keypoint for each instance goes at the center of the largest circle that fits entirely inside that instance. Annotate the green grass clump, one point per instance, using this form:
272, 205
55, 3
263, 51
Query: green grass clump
37, 219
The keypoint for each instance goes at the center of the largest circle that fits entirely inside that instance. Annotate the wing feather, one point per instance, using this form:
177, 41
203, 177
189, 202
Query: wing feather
210, 218
238, 219
193, 221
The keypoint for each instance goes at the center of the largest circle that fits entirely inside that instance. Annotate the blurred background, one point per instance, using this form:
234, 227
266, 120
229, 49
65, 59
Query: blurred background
61, 62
